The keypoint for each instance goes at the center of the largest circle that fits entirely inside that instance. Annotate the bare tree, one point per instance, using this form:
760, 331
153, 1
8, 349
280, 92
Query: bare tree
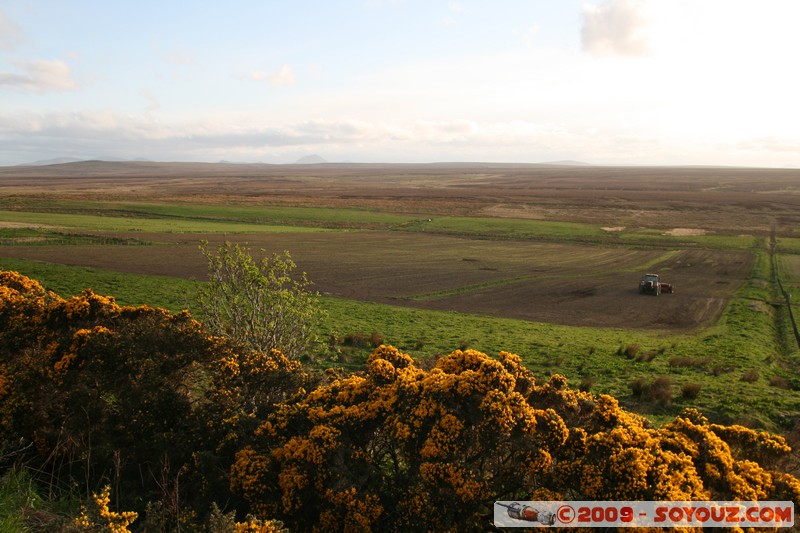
263, 304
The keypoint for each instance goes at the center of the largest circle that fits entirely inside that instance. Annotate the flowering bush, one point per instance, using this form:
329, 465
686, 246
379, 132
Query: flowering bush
399, 447
108, 392
99, 518
102, 391
92, 393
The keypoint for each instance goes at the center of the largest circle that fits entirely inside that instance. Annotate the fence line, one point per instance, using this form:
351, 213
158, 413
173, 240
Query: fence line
786, 295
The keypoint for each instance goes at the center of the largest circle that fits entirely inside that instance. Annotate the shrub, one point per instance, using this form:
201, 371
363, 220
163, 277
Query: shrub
587, 384
751, 376
133, 396
144, 400
264, 305
681, 361
691, 390
117, 384
638, 387
403, 435
631, 350
98, 517
779, 382
646, 357
376, 339
390, 449
659, 390
718, 370
356, 340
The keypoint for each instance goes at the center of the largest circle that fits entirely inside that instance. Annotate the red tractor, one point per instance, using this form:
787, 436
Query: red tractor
650, 284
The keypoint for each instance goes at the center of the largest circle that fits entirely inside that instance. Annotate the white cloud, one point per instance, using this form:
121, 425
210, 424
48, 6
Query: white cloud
283, 77
787, 145
39, 76
97, 133
100, 133
615, 27
10, 33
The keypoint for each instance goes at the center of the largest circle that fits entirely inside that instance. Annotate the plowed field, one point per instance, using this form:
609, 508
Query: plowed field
544, 282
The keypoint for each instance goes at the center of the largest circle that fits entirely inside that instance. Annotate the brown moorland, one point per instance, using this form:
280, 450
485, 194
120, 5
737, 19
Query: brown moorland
712, 198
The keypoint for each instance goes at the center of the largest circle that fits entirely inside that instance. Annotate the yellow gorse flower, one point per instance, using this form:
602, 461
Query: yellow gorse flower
99, 516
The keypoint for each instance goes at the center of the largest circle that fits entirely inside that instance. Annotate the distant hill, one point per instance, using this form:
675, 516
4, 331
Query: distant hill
61, 160
567, 162
54, 161
313, 159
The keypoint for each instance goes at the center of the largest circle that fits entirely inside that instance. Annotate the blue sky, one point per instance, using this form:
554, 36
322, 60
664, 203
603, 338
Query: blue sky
604, 81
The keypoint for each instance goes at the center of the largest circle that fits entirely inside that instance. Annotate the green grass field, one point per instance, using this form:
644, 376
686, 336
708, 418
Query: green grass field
63, 222
741, 373
45, 217
177, 217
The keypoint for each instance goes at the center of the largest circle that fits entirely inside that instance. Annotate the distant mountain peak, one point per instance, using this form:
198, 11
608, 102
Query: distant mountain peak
312, 159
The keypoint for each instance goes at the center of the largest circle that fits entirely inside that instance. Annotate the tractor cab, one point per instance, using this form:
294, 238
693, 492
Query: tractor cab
650, 285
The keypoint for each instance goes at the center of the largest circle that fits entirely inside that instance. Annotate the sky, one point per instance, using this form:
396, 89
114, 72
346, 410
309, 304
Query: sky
630, 82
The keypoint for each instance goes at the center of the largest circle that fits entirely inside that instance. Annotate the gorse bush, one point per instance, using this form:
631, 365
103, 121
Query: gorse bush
196, 431
93, 393
399, 448
100, 518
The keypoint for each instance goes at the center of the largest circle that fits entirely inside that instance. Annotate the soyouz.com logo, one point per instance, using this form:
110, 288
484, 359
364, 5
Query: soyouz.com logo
643, 514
